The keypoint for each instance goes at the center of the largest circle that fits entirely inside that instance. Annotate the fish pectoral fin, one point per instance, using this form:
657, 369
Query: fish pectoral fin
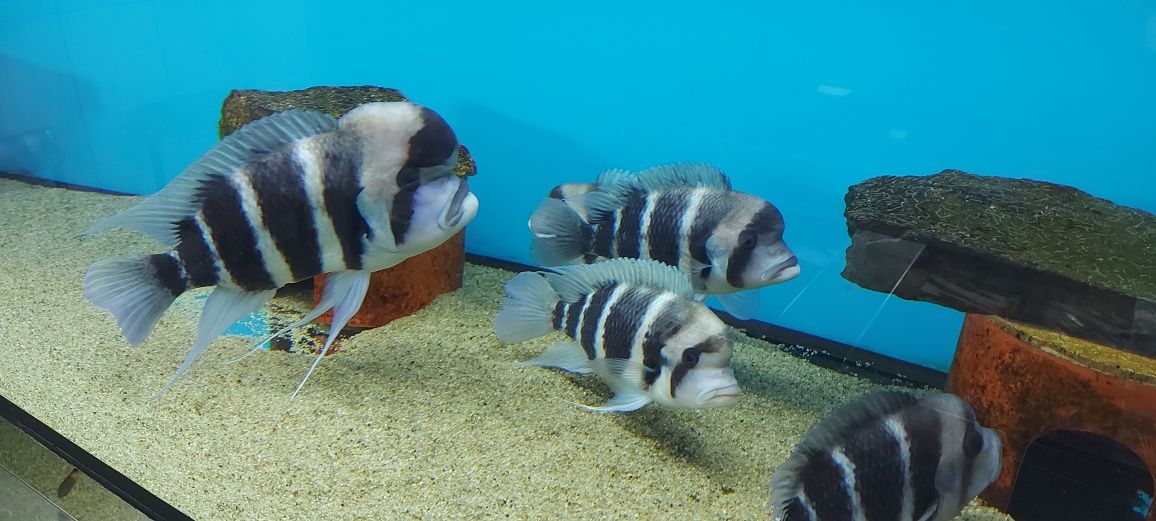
567, 356
376, 214
224, 307
743, 305
619, 403
623, 376
344, 293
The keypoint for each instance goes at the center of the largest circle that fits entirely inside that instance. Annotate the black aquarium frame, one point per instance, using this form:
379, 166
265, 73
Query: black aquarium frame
817, 350
109, 478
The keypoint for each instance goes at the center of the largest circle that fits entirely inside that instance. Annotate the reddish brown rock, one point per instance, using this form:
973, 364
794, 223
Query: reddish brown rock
1027, 382
394, 292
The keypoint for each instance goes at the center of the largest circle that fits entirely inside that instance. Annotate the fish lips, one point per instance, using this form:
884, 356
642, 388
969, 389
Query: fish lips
720, 396
454, 211
781, 272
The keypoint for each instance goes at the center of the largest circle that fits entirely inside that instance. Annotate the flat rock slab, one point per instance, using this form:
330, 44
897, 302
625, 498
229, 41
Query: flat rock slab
1035, 252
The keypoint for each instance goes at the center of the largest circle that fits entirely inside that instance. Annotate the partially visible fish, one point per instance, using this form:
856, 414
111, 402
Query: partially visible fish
633, 323
685, 215
68, 483
283, 199
888, 456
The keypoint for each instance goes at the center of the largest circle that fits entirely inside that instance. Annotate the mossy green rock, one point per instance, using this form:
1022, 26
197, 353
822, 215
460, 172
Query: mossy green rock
1037, 252
243, 106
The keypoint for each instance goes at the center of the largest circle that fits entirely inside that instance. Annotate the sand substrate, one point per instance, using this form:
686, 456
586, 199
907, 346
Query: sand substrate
422, 418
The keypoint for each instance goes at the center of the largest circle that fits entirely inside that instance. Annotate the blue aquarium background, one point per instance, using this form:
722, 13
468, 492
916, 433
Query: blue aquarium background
796, 101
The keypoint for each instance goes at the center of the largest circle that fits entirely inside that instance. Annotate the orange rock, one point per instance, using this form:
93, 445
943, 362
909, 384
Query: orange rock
1026, 382
408, 287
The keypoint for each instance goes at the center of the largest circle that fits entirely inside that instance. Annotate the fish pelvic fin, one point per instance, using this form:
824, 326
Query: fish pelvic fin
223, 307
344, 292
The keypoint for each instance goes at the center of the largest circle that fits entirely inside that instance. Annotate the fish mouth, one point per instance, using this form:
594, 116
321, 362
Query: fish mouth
783, 271
454, 211
720, 396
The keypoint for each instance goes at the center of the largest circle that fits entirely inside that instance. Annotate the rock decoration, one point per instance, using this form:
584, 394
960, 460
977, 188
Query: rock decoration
1035, 252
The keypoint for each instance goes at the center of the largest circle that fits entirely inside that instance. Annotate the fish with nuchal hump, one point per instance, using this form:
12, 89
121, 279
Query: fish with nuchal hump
682, 214
283, 199
633, 323
888, 455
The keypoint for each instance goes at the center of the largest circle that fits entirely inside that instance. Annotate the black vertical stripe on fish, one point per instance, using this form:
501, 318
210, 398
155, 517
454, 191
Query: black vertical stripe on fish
340, 187
630, 226
663, 235
556, 319
762, 222
923, 426
879, 471
233, 236
604, 235
972, 447
573, 314
796, 511
167, 270
711, 212
590, 317
556, 193
689, 360
624, 319
278, 183
825, 488
433, 143
665, 325
195, 255
401, 211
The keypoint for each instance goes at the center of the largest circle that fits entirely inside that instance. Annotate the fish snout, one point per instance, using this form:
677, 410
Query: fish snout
784, 270
459, 207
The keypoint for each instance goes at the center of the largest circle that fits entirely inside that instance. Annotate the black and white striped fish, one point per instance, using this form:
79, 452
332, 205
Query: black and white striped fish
684, 215
283, 199
633, 323
888, 456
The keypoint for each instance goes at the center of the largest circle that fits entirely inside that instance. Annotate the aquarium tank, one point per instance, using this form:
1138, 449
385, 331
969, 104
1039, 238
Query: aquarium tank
444, 260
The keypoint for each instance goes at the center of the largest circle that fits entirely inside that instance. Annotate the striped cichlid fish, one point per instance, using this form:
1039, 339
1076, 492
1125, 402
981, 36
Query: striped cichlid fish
684, 214
282, 199
633, 323
888, 456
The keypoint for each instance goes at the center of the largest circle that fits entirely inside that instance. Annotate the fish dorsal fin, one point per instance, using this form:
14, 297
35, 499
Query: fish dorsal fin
677, 175
573, 281
612, 177
829, 433
616, 186
852, 416
157, 215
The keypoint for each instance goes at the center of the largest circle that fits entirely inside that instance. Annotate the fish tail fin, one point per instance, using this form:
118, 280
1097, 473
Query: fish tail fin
560, 234
137, 289
528, 309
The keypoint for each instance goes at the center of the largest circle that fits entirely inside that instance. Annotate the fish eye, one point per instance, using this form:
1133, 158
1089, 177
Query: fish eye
972, 443
690, 357
747, 240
